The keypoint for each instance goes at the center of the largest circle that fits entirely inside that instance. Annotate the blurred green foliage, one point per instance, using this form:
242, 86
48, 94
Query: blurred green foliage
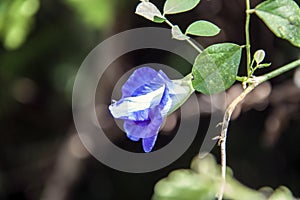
203, 182
95, 13
17, 17
16, 20
42, 44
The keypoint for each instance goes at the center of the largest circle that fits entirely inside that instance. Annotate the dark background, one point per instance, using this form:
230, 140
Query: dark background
41, 155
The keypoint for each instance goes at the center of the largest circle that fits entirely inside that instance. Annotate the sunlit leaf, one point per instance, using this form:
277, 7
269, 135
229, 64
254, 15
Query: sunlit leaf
178, 6
149, 11
177, 33
282, 17
202, 28
215, 69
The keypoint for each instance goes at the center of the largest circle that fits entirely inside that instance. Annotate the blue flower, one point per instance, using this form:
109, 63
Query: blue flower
148, 97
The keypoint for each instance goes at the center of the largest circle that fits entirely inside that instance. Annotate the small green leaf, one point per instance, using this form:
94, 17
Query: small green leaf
259, 56
215, 69
158, 19
263, 65
178, 6
282, 17
149, 11
177, 33
202, 28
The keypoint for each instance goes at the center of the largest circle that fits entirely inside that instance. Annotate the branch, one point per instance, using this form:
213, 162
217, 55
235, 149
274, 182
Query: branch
223, 136
254, 82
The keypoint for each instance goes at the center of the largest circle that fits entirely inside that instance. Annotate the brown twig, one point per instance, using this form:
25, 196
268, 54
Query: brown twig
223, 136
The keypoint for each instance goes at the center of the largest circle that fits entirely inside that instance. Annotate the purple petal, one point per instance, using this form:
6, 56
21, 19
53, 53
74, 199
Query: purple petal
135, 139
139, 78
143, 123
147, 128
140, 115
145, 89
161, 78
148, 143
164, 76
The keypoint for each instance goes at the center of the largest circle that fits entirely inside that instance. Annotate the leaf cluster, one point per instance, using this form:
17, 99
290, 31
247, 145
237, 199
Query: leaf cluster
215, 68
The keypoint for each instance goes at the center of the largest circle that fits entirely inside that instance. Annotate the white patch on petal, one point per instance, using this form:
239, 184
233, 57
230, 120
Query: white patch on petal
134, 104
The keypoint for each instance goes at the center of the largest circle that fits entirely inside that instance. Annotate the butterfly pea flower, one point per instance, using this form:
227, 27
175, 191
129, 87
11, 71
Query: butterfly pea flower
148, 97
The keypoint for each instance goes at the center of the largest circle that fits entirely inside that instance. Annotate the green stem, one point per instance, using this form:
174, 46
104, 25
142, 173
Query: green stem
188, 39
279, 71
252, 70
169, 23
247, 34
193, 45
241, 79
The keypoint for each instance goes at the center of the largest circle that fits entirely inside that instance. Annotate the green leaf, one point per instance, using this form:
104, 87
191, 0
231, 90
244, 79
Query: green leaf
215, 69
203, 28
149, 11
282, 17
177, 33
178, 6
